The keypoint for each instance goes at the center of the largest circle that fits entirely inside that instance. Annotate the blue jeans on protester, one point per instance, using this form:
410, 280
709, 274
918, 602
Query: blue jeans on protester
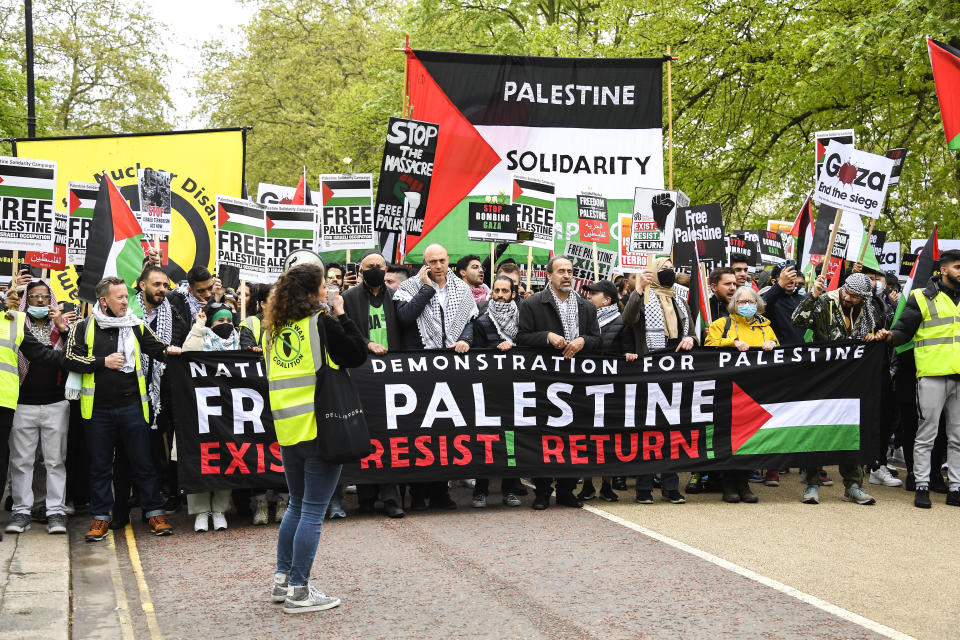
121, 426
311, 483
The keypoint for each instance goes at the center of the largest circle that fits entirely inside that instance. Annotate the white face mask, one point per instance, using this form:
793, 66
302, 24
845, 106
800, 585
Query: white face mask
879, 288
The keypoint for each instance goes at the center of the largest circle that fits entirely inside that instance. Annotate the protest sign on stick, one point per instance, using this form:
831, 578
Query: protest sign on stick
27, 190
156, 210
853, 180
407, 167
346, 214
241, 243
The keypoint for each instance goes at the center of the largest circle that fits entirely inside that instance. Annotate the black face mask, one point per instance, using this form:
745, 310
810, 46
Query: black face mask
223, 330
373, 278
667, 277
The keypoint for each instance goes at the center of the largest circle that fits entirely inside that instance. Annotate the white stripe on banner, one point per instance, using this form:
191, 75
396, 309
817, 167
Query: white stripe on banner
813, 412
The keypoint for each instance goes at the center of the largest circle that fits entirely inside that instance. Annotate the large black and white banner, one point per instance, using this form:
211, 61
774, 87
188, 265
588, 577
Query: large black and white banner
435, 415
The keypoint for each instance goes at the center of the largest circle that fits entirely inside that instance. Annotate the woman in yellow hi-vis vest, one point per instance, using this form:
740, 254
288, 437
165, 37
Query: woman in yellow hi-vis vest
304, 336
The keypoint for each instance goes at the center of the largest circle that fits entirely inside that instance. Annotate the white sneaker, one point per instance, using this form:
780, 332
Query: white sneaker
307, 598
281, 509
882, 476
219, 521
202, 523
262, 514
281, 584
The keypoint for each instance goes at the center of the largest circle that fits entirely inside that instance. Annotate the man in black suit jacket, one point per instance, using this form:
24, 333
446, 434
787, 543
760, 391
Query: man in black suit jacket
560, 319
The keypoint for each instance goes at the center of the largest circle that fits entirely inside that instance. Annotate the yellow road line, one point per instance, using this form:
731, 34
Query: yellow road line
145, 602
123, 607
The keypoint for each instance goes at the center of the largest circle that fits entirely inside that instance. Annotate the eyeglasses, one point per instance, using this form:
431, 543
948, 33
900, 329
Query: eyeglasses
37, 297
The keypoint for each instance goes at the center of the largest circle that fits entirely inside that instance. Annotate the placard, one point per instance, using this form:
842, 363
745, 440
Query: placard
630, 261
536, 210
289, 228
55, 260
654, 217
492, 222
581, 255
346, 215
407, 167
592, 216
853, 180
820, 141
156, 212
241, 237
701, 225
27, 188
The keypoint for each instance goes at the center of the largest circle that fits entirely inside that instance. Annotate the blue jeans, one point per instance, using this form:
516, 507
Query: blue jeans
123, 425
311, 483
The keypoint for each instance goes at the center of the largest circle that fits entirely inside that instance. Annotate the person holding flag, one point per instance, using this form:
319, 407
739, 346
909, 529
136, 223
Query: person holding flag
931, 320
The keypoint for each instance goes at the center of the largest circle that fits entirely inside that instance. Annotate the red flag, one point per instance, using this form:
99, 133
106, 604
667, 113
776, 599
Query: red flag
302, 194
945, 61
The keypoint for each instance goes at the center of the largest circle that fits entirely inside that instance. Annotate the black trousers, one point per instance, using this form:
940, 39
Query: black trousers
507, 485
565, 486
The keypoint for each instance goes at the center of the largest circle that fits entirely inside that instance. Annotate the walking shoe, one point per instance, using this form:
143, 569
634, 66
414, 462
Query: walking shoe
730, 493
335, 510
219, 521
392, 508
620, 483
479, 501
306, 598
811, 495
882, 476
511, 500
588, 492
644, 497
56, 523
98, 531
202, 522
261, 514
953, 498
171, 504
825, 480
693, 486
673, 496
540, 502
281, 509
160, 526
608, 494
746, 495
858, 495
755, 477
19, 523
281, 587
772, 478
569, 500
921, 499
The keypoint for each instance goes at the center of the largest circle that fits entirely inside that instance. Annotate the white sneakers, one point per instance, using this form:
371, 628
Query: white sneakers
261, 514
882, 476
307, 598
202, 523
219, 521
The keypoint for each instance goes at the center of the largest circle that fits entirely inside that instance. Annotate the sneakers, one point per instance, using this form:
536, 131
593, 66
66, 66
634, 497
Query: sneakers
755, 477
19, 523
921, 499
882, 476
261, 514
588, 492
98, 531
306, 598
219, 521
171, 504
620, 483
56, 523
202, 523
858, 495
479, 501
280, 590
772, 478
811, 495
693, 486
335, 510
953, 498
511, 500
673, 497
608, 494
825, 480
160, 526
281, 509
644, 497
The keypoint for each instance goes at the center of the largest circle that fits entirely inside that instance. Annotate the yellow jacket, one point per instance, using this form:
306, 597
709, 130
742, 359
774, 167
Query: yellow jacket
754, 332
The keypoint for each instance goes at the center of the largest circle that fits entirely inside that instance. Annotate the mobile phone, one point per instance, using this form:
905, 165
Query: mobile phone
354, 268
67, 307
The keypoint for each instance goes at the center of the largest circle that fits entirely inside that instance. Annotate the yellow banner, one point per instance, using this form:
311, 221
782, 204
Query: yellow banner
204, 164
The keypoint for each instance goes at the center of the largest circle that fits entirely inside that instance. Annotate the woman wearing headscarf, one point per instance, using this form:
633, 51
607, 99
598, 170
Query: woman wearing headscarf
745, 327
658, 314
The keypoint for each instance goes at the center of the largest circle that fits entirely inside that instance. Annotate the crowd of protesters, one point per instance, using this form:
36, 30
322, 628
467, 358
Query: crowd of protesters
85, 404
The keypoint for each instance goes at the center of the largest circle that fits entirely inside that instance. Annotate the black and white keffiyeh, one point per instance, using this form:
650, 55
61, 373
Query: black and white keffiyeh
449, 320
195, 305
165, 333
656, 325
505, 317
569, 314
606, 315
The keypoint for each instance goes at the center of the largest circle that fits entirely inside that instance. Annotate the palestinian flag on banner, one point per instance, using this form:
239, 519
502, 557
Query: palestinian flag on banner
346, 190
291, 221
584, 124
803, 426
922, 271
945, 61
81, 198
302, 195
802, 234
113, 247
535, 194
20, 181
240, 218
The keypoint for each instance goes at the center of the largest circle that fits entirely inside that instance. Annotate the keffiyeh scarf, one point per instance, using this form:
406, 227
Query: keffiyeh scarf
165, 333
213, 342
195, 305
47, 334
437, 321
569, 314
504, 316
606, 315
656, 329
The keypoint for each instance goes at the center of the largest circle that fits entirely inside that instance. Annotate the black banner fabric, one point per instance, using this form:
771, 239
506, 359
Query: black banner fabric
437, 415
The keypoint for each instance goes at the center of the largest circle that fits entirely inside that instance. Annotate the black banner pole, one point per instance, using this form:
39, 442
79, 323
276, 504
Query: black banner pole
31, 98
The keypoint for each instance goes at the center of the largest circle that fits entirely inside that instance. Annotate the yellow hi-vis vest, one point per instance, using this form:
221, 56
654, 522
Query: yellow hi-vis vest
293, 359
11, 335
256, 327
936, 345
88, 387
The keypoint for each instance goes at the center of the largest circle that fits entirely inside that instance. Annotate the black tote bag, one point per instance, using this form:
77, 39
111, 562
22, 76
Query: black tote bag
342, 433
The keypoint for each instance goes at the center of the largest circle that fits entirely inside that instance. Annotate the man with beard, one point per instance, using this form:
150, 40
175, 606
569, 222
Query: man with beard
558, 318
436, 311
723, 283
470, 270
371, 308
931, 319
190, 300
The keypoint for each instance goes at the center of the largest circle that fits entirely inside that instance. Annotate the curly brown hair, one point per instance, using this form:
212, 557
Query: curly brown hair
293, 297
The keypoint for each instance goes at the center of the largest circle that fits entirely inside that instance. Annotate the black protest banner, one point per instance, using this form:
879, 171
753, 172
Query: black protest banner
492, 222
821, 234
749, 247
436, 415
405, 175
906, 264
771, 247
701, 225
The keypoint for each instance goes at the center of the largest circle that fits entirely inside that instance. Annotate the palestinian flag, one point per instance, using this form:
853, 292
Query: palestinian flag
699, 290
291, 221
584, 124
803, 426
19, 180
923, 268
302, 195
81, 198
534, 193
802, 234
346, 190
239, 216
945, 61
113, 247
